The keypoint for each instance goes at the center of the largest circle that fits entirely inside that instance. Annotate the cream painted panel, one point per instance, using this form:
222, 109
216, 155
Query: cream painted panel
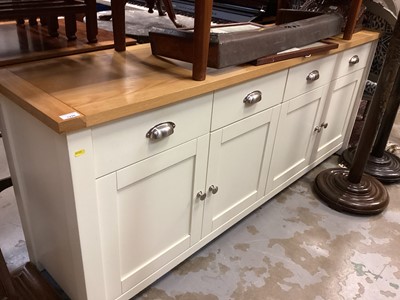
297, 82
238, 165
295, 136
337, 113
149, 213
121, 143
229, 106
56, 198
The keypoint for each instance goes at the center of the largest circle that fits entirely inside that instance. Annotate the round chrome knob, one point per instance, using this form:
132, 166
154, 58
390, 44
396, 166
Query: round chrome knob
213, 189
200, 195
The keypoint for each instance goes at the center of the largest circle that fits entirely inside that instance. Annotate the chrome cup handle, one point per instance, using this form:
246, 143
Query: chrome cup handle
313, 76
252, 97
354, 60
161, 131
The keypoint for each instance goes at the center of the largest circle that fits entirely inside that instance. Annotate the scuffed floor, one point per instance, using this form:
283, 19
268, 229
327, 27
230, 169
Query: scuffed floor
12, 240
293, 247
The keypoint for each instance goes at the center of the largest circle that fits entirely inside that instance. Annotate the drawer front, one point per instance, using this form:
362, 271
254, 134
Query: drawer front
245, 99
121, 143
309, 76
353, 59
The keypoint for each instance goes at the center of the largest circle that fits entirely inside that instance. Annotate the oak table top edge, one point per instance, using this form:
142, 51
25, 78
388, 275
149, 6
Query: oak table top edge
103, 86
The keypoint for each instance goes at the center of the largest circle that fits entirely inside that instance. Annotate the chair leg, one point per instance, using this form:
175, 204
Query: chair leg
43, 21
7, 289
52, 26
5, 183
70, 27
31, 285
33, 21
171, 13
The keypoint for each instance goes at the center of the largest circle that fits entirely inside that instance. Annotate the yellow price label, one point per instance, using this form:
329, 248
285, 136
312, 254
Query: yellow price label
79, 152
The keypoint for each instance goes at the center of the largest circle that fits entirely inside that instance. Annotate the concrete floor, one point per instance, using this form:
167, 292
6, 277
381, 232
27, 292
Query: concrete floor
12, 240
293, 247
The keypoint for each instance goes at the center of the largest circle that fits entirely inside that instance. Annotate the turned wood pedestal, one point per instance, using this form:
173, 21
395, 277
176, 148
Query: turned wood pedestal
351, 190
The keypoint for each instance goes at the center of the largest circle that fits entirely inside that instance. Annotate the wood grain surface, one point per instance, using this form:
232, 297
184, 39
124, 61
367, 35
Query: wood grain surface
107, 85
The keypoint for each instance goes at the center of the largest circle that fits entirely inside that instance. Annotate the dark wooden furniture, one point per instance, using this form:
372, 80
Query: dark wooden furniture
202, 25
168, 7
118, 21
203, 10
50, 10
352, 190
381, 164
24, 283
352, 19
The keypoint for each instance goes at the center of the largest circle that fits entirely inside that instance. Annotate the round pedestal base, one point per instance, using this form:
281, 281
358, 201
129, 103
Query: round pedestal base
386, 168
369, 197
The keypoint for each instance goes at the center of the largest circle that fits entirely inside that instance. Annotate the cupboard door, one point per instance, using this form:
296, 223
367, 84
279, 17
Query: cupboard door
238, 164
149, 213
295, 136
337, 114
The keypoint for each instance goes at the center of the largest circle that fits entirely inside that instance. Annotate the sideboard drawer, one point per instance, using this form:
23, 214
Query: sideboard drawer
353, 59
119, 144
242, 100
309, 76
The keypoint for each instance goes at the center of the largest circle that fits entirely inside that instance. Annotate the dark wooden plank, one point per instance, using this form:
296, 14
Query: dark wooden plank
306, 51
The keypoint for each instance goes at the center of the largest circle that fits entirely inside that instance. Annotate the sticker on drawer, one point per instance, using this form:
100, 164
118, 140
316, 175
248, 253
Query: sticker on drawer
79, 152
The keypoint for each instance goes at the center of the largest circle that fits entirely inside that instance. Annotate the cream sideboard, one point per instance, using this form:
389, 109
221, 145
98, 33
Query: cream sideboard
123, 167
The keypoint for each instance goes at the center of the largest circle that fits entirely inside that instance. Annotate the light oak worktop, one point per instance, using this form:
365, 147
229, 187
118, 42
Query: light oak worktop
107, 85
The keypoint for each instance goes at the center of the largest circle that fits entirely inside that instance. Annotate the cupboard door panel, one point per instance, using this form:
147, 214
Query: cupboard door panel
150, 213
337, 114
238, 167
295, 136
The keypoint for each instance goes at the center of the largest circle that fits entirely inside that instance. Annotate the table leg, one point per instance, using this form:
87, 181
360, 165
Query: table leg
91, 21
202, 23
70, 26
281, 4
